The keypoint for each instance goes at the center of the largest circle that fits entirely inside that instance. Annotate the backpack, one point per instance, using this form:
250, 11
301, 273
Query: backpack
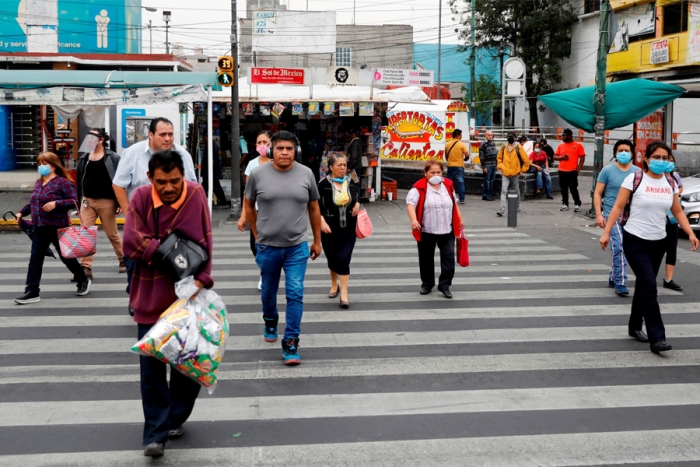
625, 215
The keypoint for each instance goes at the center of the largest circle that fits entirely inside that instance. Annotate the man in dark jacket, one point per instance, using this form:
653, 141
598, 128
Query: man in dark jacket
218, 173
487, 156
354, 153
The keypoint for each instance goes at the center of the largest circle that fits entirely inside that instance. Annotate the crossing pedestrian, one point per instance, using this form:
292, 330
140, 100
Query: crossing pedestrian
97, 166
217, 189
539, 160
339, 209
647, 196
456, 153
604, 197
286, 193
52, 200
262, 144
571, 156
182, 207
672, 232
436, 221
132, 172
487, 158
512, 161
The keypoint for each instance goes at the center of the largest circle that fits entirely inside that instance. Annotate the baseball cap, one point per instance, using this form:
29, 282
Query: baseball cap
511, 134
568, 132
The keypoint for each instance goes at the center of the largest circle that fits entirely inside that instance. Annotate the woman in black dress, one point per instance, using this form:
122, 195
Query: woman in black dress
339, 209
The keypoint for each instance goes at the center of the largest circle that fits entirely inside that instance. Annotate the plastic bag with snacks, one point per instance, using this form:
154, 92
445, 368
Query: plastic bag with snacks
190, 335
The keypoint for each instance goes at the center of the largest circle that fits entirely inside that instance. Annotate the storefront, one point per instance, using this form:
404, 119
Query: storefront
322, 117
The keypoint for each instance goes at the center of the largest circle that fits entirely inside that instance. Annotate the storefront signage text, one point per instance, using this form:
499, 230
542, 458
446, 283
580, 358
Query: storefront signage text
277, 75
416, 136
659, 52
394, 77
646, 130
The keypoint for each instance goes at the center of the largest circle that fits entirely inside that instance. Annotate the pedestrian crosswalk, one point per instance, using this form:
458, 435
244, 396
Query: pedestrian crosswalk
528, 364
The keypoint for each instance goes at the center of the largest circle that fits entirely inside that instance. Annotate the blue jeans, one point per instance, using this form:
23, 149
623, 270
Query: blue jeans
547, 182
165, 407
618, 270
272, 260
456, 174
489, 177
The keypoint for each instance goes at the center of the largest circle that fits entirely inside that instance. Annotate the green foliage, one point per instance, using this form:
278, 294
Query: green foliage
537, 31
487, 96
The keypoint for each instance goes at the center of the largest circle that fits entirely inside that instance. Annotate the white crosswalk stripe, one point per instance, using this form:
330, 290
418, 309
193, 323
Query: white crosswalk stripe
529, 364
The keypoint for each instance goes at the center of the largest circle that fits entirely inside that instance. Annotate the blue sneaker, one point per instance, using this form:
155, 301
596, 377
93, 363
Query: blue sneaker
621, 290
270, 332
290, 351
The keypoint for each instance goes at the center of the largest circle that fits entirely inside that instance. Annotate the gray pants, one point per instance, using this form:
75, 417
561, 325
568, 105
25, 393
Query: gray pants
505, 183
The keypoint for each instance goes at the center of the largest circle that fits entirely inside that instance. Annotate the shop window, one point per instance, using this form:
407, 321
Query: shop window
589, 6
675, 18
343, 56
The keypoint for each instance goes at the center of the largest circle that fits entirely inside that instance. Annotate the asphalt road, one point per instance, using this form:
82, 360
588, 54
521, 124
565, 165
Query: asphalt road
529, 364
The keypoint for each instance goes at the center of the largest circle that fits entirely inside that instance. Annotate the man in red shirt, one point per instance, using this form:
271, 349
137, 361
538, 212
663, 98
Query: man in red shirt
570, 155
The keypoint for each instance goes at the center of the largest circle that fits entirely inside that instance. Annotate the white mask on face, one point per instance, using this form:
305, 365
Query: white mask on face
435, 180
537, 149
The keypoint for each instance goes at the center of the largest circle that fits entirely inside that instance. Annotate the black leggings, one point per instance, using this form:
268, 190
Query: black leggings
671, 243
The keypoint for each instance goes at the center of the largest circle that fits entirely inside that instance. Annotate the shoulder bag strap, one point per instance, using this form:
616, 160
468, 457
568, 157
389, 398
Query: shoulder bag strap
155, 219
450, 150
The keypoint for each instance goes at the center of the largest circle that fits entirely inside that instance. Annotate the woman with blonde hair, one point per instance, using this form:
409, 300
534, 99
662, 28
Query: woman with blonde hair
50, 204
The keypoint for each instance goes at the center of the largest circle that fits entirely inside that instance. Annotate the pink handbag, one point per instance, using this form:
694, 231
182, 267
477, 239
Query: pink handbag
77, 242
364, 224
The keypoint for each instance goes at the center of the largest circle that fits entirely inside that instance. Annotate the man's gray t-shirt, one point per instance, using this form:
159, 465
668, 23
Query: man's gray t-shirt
612, 177
283, 198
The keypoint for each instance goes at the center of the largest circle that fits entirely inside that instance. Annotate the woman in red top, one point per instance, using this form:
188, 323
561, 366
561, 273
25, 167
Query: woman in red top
541, 163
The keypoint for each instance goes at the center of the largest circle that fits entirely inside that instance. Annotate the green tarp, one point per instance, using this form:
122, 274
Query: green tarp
625, 102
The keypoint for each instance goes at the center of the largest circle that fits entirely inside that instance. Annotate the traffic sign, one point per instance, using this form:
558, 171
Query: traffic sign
225, 63
225, 78
225, 74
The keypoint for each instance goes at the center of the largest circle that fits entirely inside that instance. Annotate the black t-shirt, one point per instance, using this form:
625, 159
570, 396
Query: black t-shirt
96, 181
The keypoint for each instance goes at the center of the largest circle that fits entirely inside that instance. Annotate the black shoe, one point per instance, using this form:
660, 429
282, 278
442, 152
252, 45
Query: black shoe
672, 285
154, 450
28, 297
445, 291
484, 198
176, 433
83, 288
425, 290
661, 346
639, 335
131, 311
550, 197
88, 273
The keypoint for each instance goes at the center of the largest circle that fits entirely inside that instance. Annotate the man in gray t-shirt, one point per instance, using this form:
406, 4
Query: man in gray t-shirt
285, 192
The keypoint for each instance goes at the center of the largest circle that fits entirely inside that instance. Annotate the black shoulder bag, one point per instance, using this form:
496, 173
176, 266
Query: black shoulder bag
178, 256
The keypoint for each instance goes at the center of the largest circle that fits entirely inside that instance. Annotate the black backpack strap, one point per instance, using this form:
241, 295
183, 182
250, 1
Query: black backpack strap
155, 219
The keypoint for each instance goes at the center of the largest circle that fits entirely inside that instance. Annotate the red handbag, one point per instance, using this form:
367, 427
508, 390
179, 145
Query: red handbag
462, 250
77, 242
364, 224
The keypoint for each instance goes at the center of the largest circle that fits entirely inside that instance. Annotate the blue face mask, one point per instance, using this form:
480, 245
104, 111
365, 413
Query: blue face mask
338, 180
624, 157
44, 170
670, 167
658, 167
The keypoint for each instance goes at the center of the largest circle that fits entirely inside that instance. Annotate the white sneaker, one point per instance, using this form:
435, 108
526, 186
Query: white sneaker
577, 208
260, 284
564, 208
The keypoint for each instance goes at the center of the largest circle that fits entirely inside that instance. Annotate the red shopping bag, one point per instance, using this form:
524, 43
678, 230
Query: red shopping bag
462, 250
77, 242
364, 224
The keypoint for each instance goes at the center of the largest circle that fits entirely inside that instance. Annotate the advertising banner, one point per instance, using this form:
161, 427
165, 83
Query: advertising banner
277, 75
693, 54
659, 52
646, 130
394, 77
100, 96
634, 21
342, 76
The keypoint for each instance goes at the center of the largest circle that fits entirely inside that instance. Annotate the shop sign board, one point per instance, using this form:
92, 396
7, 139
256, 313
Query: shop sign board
395, 77
277, 75
693, 53
646, 130
659, 52
283, 30
342, 76
419, 135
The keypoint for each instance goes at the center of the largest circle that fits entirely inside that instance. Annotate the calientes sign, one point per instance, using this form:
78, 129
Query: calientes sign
277, 75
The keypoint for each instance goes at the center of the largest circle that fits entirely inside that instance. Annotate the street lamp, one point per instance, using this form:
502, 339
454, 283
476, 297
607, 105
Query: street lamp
150, 28
166, 18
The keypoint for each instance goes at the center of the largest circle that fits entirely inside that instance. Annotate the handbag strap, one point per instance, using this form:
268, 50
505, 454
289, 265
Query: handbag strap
155, 219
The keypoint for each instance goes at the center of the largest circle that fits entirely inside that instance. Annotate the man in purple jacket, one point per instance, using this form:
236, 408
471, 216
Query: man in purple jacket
182, 208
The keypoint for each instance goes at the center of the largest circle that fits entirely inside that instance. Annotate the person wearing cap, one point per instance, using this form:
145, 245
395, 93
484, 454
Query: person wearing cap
512, 161
571, 156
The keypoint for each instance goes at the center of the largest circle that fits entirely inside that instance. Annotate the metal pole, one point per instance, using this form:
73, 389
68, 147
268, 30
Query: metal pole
513, 207
210, 151
439, 44
472, 59
167, 44
599, 98
235, 133
503, 96
150, 37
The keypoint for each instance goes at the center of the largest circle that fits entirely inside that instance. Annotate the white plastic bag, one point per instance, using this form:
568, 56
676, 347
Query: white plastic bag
190, 335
